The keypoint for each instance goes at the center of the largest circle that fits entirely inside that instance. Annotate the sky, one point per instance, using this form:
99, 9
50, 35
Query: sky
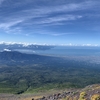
57, 22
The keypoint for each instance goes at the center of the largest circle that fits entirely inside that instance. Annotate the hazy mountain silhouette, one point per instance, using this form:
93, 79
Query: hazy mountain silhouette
17, 56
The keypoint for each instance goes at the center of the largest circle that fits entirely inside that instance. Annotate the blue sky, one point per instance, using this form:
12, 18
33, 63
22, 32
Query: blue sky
50, 21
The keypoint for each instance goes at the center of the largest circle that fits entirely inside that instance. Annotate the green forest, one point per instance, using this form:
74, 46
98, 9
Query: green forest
45, 73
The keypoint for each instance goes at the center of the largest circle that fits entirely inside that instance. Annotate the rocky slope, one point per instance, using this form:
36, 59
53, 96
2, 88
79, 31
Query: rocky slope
91, 92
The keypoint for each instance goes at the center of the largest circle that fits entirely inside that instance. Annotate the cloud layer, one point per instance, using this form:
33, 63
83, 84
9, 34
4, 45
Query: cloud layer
18, 16
50, 21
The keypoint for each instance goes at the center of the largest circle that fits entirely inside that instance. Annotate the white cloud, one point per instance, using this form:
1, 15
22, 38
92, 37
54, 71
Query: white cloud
9, 24
23, 44
53, 33
59, 19
41, 15
90, 45
44, 44
7, 50
66, 7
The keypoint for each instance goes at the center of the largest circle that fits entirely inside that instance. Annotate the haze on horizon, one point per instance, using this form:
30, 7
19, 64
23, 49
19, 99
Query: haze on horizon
50, 21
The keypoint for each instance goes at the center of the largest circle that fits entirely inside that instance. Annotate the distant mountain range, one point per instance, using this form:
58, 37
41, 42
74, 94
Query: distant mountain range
21, 46
17, 56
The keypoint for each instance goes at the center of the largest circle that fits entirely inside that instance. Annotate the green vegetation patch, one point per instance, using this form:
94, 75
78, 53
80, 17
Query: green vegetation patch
45, 74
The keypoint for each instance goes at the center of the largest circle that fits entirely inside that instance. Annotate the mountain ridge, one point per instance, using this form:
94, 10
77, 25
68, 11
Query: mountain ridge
14, 55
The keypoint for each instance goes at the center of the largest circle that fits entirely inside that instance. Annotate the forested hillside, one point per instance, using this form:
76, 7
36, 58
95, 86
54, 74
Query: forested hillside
31, 73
